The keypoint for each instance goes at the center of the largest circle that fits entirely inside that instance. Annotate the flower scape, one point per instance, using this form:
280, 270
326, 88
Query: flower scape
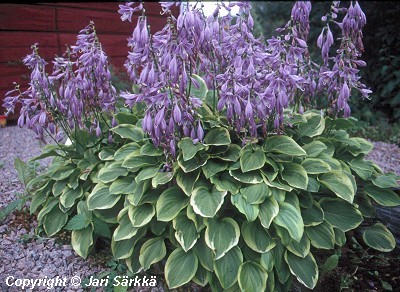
220, 159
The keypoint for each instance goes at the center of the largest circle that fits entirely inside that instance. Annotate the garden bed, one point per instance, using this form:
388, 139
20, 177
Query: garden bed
22, 254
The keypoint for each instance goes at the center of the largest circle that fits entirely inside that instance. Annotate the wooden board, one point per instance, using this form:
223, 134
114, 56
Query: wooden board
53, 25
27, 17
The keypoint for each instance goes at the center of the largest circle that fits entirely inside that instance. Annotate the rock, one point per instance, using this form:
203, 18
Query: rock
6, 242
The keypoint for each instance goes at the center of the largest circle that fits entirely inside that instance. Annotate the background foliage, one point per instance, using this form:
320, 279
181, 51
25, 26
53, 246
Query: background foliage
379, 117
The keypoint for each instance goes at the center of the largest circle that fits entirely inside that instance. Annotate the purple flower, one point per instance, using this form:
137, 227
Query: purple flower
342, 76
127, 11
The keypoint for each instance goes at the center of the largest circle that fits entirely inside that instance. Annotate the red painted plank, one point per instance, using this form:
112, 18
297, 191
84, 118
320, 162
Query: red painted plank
107, 6
118, 62
73, 20
27, 17
15, 55
152, 8
12, 39
12, 70
113, 45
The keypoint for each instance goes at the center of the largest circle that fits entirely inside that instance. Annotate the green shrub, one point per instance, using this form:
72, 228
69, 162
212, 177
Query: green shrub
209, 168
223, 213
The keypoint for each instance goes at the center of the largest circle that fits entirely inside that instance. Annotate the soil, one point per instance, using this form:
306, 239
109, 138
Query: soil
361, 268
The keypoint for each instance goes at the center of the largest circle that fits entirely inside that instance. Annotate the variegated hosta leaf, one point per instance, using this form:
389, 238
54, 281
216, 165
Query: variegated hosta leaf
186, 181
267, 260
54, 221
189, 149
180, 268
161, 178
387, 180
152, 251
383, 197
321, 236
304, 269
290, 218
252, 158
312, 216
315, 166
185, 231
222, 235
340, 237
106, 154
125, 229
341, 214
225, 182
232, 154
112, 172
82, 240
101, 199
202, 276
125, 150
314, 148
217, 137
122, 185
281, 267
250, 211
206, 203
283, 145
257, 237
227, 267
250, 177
339, 183
315, 125
295, 175
214, 166
123, 249
129, 131
268, 211
252, 277
141, 215
256, 194
150, 150
300, 249
132, 262
170, 203
147, 173
70, 195
204, 254
379, 237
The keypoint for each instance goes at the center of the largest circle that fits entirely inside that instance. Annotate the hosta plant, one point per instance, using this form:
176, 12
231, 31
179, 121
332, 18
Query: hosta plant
219, 164
222, 214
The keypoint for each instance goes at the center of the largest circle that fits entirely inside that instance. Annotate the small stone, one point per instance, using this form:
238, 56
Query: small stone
23, 231
6, 242
3, 229
8, 257
19, 274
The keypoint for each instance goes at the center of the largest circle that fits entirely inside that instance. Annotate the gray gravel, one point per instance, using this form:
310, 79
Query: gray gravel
386, 156
42, 257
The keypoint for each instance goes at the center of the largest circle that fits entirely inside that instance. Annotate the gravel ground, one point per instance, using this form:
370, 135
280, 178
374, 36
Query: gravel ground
41, 258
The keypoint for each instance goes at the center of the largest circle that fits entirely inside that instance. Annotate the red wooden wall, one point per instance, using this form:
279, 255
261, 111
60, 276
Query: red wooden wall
53, 25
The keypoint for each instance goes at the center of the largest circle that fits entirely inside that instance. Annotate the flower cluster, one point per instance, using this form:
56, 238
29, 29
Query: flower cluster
76, 94
163, 64
254, 80
342, 77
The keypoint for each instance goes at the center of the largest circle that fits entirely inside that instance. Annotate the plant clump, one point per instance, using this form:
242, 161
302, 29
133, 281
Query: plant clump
218, 163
